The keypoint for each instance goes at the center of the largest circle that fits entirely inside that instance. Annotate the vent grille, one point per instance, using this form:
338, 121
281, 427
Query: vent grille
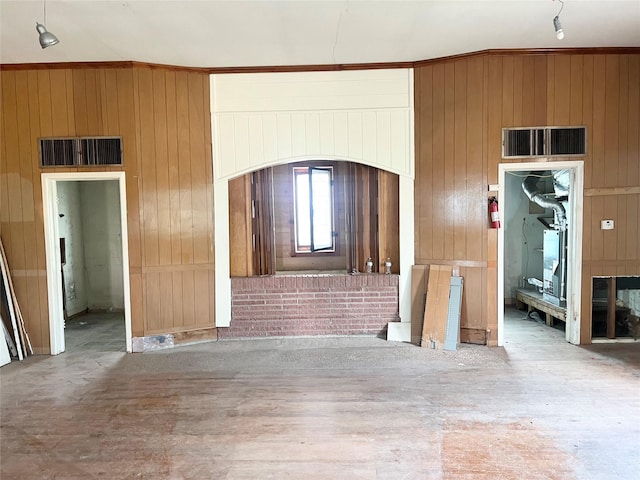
85, 151
544, 142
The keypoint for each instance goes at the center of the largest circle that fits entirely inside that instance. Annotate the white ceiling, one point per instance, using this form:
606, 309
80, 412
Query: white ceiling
267, 33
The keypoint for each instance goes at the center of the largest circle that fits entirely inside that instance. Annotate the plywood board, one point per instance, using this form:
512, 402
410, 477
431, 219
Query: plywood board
419, 276
436, 306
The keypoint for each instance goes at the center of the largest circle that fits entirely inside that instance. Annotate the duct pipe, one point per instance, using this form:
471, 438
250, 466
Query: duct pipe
529, 186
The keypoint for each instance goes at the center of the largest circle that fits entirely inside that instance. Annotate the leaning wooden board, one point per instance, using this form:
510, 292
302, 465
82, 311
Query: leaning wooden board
436, 307
419, 276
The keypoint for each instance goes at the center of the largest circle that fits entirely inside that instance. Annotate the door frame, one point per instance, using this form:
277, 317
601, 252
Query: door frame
574, 243
52, 251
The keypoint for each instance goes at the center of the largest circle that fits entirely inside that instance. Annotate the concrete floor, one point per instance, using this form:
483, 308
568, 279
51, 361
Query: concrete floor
96, 332
328, 408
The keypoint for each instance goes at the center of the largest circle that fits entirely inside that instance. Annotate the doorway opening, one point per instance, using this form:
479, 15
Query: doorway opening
540, 244
87, 261
615, 309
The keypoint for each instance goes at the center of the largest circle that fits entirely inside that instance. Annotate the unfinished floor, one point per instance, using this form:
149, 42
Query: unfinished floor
328, 408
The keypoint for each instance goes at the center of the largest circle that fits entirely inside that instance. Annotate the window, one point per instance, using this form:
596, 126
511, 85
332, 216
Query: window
313, 209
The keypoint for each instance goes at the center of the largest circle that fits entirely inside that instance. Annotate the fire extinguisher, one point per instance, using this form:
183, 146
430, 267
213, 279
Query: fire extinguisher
494, 214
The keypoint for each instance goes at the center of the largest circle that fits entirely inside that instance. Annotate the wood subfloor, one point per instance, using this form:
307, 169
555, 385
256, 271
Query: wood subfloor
328, 408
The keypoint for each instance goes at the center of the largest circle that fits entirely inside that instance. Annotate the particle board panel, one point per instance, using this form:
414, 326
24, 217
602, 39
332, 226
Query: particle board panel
436, 306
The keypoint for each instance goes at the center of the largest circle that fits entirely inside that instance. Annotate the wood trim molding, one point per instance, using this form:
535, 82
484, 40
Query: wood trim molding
325, 67
455, 263
600, 192
178, 268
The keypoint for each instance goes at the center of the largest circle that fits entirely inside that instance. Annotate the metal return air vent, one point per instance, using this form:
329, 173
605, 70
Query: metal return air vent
544, 142
83, 151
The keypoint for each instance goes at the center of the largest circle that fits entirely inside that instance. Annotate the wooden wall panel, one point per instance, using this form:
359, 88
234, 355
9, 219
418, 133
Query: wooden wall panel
388, 221
176, 195
161, 117
240, 249
599, 91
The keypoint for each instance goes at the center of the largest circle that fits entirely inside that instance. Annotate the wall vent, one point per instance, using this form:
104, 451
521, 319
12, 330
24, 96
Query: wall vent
544, 142
82, 151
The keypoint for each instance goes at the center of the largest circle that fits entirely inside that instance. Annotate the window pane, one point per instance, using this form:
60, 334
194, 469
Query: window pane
303, 221
322, 212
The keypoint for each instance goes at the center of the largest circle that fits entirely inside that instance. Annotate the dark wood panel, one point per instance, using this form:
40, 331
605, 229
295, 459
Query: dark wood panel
388, 221
240, 252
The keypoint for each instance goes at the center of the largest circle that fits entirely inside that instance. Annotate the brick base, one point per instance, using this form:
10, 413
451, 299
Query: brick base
299, 305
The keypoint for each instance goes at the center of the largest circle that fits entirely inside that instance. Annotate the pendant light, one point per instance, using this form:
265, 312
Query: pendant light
46, 38
557, 25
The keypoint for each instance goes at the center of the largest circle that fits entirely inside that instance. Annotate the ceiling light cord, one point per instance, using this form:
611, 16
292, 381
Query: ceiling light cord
556, 22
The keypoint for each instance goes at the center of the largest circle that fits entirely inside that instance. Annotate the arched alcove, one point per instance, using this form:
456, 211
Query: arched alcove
265, 120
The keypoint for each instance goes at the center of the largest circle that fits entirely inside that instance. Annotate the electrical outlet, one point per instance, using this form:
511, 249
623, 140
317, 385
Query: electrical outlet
606, 225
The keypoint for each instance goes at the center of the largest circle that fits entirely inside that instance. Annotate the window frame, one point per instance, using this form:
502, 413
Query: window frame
307, 169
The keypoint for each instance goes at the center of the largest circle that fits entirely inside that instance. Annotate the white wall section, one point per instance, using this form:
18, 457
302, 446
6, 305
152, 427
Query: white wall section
103, 244
70, 225
264, 119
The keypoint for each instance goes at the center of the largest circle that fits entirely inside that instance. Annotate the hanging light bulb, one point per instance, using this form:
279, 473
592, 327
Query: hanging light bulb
556, 23
558, 26
46, 38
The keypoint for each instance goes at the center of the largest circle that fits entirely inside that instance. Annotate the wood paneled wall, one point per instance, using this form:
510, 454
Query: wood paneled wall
163, 119
461, 107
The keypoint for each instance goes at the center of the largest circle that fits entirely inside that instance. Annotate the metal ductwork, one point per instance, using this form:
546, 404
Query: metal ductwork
529, 186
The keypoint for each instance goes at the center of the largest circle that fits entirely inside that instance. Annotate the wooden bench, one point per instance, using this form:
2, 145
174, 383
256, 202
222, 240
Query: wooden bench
534, 301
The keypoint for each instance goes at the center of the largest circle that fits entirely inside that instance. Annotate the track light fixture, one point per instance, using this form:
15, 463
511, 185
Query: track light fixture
46, 38
556, 22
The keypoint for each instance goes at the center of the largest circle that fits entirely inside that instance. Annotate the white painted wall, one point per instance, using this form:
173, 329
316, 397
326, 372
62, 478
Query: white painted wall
101, 229
70, 228
264, 119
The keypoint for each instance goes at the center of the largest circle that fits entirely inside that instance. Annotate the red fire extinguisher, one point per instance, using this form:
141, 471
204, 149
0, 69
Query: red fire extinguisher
494, 214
